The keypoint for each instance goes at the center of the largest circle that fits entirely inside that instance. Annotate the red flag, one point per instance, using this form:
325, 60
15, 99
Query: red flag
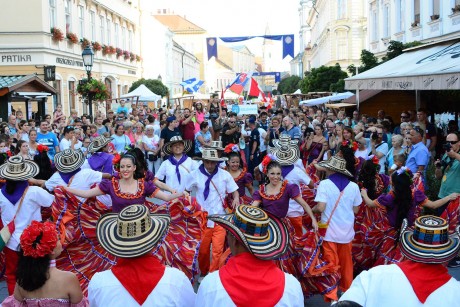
238, 84
222, 100
254, 89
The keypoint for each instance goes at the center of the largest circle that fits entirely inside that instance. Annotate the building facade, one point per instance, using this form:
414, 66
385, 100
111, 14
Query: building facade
54, 34
335, 31
411, 20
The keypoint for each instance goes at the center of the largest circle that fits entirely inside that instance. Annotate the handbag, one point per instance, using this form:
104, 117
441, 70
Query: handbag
322, 227
7, 231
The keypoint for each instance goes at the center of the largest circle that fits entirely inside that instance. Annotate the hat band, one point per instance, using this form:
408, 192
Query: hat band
251, 229
432, 238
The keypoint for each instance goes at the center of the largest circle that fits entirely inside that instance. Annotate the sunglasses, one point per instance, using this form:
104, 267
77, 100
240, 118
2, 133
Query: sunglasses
452, 142
419, 130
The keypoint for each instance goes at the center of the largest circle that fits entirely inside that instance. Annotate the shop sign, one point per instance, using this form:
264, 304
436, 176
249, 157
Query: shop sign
13, 58
69, 62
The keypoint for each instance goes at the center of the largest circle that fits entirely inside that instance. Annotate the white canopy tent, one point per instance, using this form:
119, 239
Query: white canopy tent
323, 100
144, 94
428, 67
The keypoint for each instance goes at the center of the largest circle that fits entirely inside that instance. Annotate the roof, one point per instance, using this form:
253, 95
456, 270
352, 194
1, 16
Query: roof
11, 83
427, 68
179, 24
363, 96
7, 81
220, 62
178, 46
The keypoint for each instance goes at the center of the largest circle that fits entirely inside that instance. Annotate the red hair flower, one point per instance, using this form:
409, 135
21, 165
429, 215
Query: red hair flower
231, 147
354, 146
42, 148
39, 239
350, 144
267, 159
116, 161
9, 154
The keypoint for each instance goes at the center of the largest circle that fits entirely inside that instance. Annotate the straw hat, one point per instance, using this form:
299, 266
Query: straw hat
429, 242
133, 232
69, 160
266, 237
211, 154
167, 150
98, 143
336, 164
17, 168
217, 145
286, 152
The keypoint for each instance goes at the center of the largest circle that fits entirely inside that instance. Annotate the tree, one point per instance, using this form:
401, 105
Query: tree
368, 61
396, 48
154, 85
323, 79
289, 85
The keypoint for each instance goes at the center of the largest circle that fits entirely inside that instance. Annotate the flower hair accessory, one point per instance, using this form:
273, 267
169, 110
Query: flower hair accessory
374, 159
353, 145
231, 148
39, 239
116, 162
267, 159
42, 148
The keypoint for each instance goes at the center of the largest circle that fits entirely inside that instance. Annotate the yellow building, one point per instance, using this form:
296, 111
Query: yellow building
27, 45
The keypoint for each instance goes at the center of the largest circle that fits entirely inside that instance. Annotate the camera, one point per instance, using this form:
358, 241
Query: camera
367, 134
374, 136
213, 115
239, 122
330, 133
447, 146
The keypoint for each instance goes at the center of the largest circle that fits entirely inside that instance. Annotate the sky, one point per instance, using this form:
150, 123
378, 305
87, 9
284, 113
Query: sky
242, 18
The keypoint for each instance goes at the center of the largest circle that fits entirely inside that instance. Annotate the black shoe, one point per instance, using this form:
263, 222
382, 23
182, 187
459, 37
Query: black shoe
454, 263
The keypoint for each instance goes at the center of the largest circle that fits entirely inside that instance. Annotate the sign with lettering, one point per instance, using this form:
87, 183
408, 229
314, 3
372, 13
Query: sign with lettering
14, 58
244, 109
69, 62
50, 73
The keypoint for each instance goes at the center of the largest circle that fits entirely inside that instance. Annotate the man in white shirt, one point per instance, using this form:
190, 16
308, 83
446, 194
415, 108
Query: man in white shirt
338, 201
249, 278
422, 280
211, 184
69, 140
138, 278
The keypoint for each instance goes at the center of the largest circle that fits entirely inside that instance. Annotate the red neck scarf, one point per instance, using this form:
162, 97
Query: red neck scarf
139, 276
252, 282
424, 278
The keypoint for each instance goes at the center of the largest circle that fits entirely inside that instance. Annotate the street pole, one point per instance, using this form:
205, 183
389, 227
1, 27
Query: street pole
90, 98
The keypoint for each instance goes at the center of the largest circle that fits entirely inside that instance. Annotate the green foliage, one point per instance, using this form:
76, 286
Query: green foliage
323, 79
289, 85
396, 48
154, 85
433, 184
368, 61
94, 87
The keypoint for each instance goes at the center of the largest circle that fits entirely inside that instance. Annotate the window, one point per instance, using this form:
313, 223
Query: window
52, 13
72, 94
386, 20
123, 38
375, 24
457, 2
436, 8
342, 45
102, 28
341, 9
417, 11
399, 15
81, 20
92, 21
68, 15
109, 31
57, 97
116, 35
130, 40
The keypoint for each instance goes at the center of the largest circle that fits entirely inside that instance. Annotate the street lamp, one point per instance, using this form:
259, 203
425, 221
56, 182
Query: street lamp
88, 58
159, 78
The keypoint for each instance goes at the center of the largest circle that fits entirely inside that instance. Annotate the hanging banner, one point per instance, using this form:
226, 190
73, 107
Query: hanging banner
276, 74
242, 109
287, 40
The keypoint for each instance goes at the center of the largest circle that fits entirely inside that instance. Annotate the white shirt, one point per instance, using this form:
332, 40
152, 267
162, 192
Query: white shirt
35, 198
263, 134
362, 153
212, 293
83, 180
169, 171
151, 142
224, 183
65, 144
383, 148
173, 289
386, 285
340, 228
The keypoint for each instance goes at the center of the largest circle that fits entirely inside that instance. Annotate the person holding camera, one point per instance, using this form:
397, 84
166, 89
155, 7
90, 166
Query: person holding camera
231, 132
374, 140
448, 168
274, 131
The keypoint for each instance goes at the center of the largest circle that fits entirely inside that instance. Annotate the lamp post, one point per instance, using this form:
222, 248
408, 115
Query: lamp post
88, 58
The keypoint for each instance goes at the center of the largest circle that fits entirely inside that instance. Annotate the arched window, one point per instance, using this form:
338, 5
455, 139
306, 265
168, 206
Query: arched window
342, 44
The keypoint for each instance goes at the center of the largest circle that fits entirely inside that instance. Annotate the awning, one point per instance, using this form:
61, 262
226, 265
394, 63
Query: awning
322, 100
32, 95
340, 105
432, 67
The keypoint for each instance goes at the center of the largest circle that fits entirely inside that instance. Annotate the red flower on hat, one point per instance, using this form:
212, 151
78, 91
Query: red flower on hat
9, 154
39, 239
42, 148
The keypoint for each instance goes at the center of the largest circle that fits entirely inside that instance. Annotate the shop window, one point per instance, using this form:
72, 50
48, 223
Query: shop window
57, 98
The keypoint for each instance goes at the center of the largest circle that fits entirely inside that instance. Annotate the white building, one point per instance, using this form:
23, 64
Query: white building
411, 20
337, 32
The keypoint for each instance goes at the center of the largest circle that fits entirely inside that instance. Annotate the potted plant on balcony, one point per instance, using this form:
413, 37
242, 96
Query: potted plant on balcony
97, 46
126, 54
58, 36
72, 37
138, 58
84, 42
434, 17
119, 52
132, 56
111, 50
95, 88
456, 9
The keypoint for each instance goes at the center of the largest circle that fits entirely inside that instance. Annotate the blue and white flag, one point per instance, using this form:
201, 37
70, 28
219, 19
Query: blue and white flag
192, 85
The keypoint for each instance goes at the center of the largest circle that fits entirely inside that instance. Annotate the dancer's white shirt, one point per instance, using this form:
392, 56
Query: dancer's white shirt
212, 293
386, 285
173, 289
224, 183
169, 171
